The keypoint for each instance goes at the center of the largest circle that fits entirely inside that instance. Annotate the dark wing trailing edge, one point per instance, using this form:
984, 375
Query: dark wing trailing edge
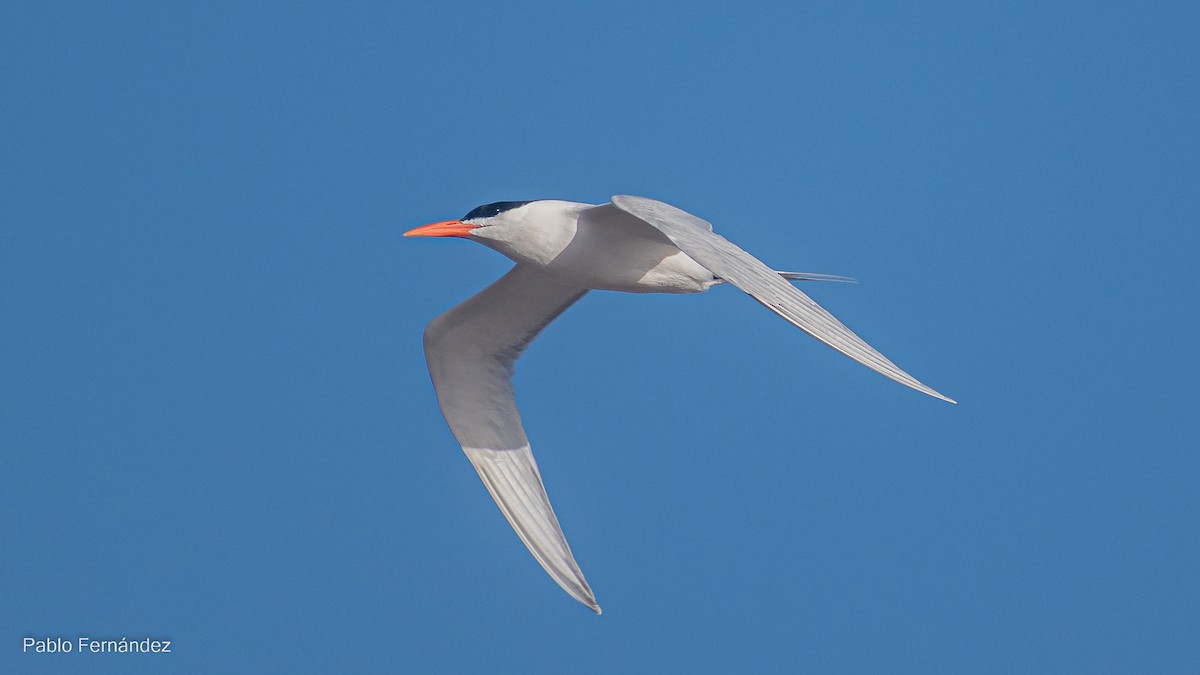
695, 237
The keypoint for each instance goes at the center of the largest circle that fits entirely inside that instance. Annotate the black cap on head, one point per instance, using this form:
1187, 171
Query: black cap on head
489, 210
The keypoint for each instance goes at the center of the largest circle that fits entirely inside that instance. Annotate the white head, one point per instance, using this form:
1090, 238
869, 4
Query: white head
525, 231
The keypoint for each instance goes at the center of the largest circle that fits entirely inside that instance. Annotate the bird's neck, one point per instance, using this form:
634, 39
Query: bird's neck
545, 229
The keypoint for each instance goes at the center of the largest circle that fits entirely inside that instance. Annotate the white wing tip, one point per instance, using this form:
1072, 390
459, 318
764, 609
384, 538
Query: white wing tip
584, 595
918, 386
580, 591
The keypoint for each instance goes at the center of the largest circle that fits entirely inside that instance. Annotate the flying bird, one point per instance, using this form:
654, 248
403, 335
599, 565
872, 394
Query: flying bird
563, 250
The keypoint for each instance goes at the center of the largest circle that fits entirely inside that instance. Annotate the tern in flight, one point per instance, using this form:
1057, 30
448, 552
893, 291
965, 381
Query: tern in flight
563, 250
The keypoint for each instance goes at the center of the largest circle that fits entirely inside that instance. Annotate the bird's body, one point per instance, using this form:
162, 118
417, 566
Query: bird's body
595, 247
563, 250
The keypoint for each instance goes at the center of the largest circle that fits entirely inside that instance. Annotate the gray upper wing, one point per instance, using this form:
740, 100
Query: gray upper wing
471, 351
695, 237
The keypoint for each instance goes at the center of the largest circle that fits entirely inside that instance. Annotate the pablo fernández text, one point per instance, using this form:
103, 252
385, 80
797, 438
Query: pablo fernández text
88, 645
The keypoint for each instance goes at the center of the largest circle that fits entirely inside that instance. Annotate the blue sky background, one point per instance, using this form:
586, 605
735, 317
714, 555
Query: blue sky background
216, 425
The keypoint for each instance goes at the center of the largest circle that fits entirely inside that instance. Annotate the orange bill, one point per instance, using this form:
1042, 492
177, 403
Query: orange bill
446, 228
